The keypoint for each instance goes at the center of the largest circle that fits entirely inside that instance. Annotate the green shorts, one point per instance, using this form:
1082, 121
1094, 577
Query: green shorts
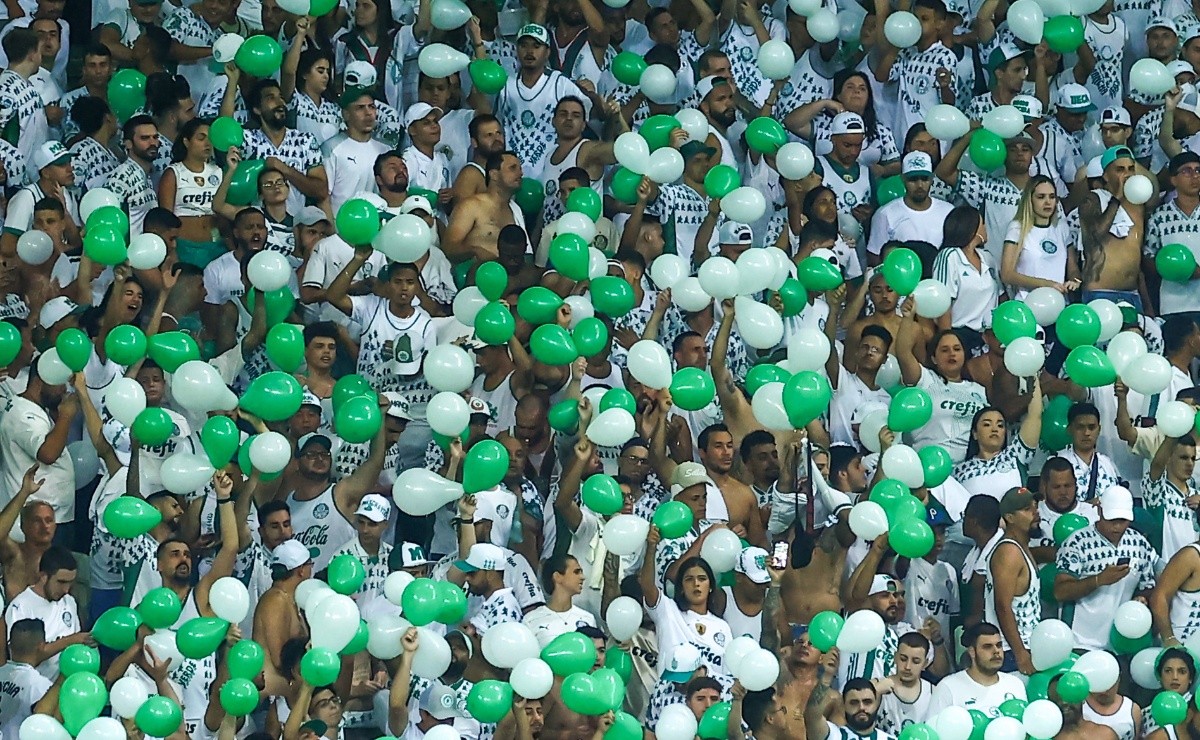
199, 253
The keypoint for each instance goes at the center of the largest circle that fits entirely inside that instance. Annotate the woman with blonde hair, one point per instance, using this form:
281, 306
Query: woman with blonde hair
1037, 247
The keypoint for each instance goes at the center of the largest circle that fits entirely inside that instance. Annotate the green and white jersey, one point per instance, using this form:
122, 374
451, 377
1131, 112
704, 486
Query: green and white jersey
954, 405
998, 198
1008, 469
1085, 554
1185, 607
131, 184
1027, 607
376, 567
1179, 521
1168, 224
851, 186
875, 663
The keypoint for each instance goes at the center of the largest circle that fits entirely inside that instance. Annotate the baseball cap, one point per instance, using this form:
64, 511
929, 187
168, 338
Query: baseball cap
535, 32
360, 74
1113, 153
684, 661
316, 726
706, 85
1115, 116
417, 111
351, 95
733, 232
1022, 136
397, 406
882, 584
308, 398
1161, 21
752, 562
482, 556
1129, 314
51, 153
57, 309
1179, 67
1002, 54
689, 474
1016, 499
314, 437
291, 554
480, 407
1030, 107
1116, 503
374, 507
416, 203
311, 216
917, 164
937, 517
438, 701
407, 555
1075, 98
1093, 167
1181, 159
847, 122
692, 148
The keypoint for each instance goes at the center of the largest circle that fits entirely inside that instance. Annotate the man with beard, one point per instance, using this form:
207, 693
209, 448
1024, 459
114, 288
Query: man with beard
169, 101
861, 703
1012, 590
917, 216
717, 454
719, 106
981, 685
140, 566
487, 138
760, 456
475, 225
1060, 496
277, 616
131, 180
294, 153
571, 149
1075, 727
224, 278
855, 390
347, 154
49, 599
800, 664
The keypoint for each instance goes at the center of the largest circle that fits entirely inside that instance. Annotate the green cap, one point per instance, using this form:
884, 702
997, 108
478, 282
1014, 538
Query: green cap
351, 95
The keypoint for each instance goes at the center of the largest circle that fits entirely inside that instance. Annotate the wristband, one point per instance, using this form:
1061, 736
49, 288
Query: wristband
224, 501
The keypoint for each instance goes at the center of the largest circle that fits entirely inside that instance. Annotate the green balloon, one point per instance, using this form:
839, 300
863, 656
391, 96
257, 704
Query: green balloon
657, 131
887, 492
570, 652
171, 349
1012, 320
910, 409
911, 538
82, 698
318, 8
200, 637
220, 439
1175, 263
625, 183
346, 575
320, 666
619, 661
1067, 525
358, 643
539, 305
569, 252
74, 349
987, 149
906, 507
494, 325
818, 275
420, 602
721, 180
590, 337
489, 700
357, 221
239, 696
1073, 687
453, 600
1123, 645
714, 723
1039, 685
226, 132
795, 296
487, 76
692, 388
485, 466
1054, 424
109, 217
1078, 325
580, 694
279, 304
625, 726
358, 420
618, 398
350, 386
763, 373
116, 629
492, 280
1046, 576
1168, 708
160, 608
937, 464
766, 135
159, 717
920, 731
127, 517
1014, 708
628, 67
126, 94
243, 184
1063, 34
564, 416
552, 345
273, 396
673, 519
104, 246
805, 397
610, 687
586, 201
124, 345
1090, 367
602, 494
979, 722
902, 270
530, 197
245, 659
10, 343
260, 55
889, 189
153, 427
612, 296
824, 629
285, 346
79, 659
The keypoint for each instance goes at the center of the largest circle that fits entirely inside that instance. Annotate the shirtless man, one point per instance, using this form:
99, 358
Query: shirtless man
562, 723
717, 454
1113, 230
20, 560
277, 618
885, 301
487, 138
1075, 727
475, 225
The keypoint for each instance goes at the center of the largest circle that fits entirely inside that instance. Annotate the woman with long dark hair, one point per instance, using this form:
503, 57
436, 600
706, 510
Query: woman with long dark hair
187, 189
305, 83
851, 92
971, 275
997, 461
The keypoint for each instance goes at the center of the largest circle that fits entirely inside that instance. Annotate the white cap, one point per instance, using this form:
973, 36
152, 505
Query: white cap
1179, 67
1115, 116
1074, 97
311, 216
706, 85
360, 74
1162, 21
1190, 101
752, 562
51, 153
479, 406
732, 232
688, 474
226, 47
308, 398
291, 554
881, 584
374, 507
416, 203
1116, 503
684, 661
917, 163
57, 309
1093, 167
417, 111
482, 556
847, 122
438, 700
1030, 107
412, 555
397, 406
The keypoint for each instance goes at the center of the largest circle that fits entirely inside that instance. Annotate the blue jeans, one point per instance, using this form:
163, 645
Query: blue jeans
1116, 296
1010, 662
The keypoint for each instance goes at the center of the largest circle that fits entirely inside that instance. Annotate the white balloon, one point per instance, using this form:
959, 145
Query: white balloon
597, 263
807, 349
868, 520
1099, 668
1124, 348
658, 84
102, 728
1139, 188
268, 271
581, 308
759, 670
384, 632
625, 534
1042, 719
862, 632
448, 413
595, 395
125, 399
945, 122
421, 492
822, 25
783, 265
532, 678
902, 29
295, 7
1050, 643
578, 224
197, 386
334, 622
718, 277
624, 619
439, 60
229, 599
449, 368
1141, 668
1132, 619
447, 15
509, 643
694, 123
649, 364
738, 649
760, 326
147, 251
676, 722
1046, 304
394, 585
756, 270
96, 198
744, 205
804, 7
310, 591
932, 298
794, 161
467, 303
1151, 77
84, 461
776, 60
902, 463
1174, 419
689, 296
870, 426
1110, 317
270, 452
665, 165
1004, 728
35, 247
51, 369
447, 732
1026, 21
404, 238
1004, 120
1024, 357
432, 657
127, 695
721, 550
667, 270
42, 727
888, 375
767, 405
612, 428
632, 152
163, 644
1051, 8
185, 473
1148, 374
952, 723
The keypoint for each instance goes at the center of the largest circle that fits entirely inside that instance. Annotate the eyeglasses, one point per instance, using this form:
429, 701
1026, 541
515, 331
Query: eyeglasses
273, 184
1189, 171
636, 460
317, 454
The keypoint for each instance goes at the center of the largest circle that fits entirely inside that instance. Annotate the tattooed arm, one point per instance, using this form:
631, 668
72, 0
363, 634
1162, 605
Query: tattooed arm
770, 612
1095, 224
815, 726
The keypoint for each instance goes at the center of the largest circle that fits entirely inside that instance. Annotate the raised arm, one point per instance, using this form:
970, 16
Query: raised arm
1031, 425
402, 685
646, 577
910, 368
947, 169
349, 492
338, 294
222, 565
568, 486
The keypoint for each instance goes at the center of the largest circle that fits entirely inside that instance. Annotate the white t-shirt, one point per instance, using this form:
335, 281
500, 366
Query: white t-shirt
21, 686
960, 690
932, 592
61, 619
497, 505
709, 633
974, 293
954, 406
1043, 251
897, 221
548, 624
24, 427
349, 165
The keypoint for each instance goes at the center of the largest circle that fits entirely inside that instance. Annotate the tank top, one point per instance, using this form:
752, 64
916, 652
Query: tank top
502, 400
554, 206
194, 677
739, 622
194, 191
849, 188
1121, 721
319, 526
1185, 610
614, 379
1027, 607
